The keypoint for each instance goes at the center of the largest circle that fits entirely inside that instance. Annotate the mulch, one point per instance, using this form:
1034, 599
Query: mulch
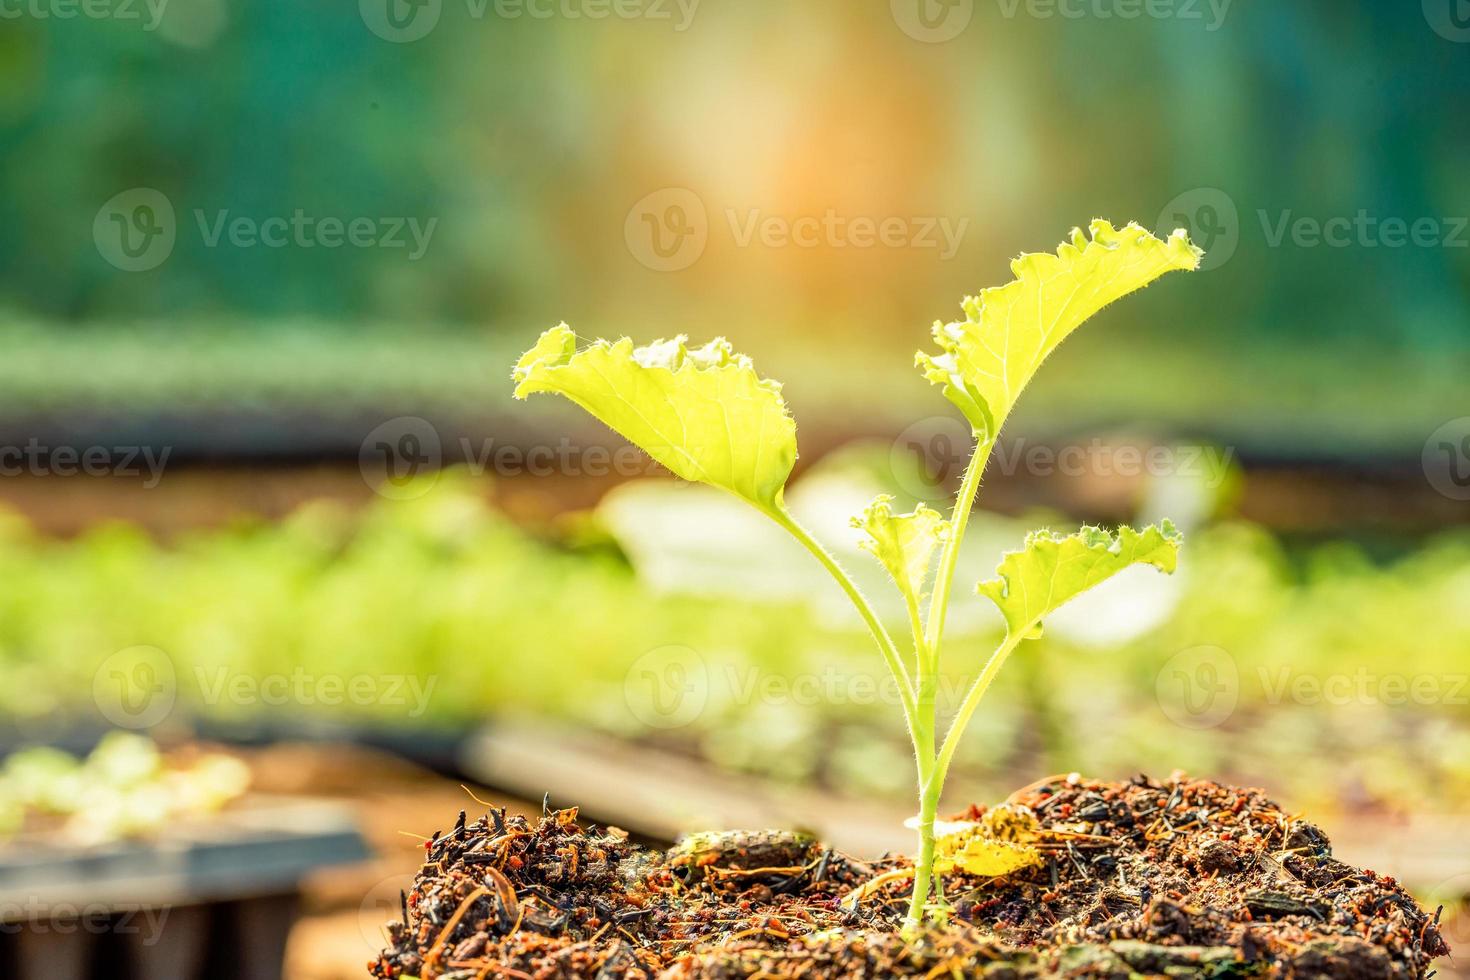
1180, 878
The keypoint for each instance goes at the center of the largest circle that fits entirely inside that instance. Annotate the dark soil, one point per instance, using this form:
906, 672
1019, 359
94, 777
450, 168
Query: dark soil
1184, 878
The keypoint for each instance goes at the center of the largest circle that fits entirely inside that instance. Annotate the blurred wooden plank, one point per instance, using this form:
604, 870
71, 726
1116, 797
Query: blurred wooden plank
1430, 853
660, 795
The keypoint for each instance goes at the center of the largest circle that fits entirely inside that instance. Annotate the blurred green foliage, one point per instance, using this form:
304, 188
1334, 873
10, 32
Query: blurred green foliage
234, 387
529, 139
491, 621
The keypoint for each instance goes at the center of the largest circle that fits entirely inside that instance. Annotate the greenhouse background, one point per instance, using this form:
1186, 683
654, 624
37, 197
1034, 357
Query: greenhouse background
265, 495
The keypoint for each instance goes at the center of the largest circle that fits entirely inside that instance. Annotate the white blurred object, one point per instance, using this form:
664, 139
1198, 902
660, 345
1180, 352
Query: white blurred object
1126, 606
1139, 599
695, 540
692, 540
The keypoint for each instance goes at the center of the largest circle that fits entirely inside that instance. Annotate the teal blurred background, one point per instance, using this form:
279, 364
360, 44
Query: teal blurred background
520, 138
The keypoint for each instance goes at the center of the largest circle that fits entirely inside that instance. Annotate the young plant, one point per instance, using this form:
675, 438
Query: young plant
705, 414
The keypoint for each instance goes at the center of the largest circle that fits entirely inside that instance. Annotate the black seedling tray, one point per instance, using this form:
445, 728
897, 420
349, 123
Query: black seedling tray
211, 899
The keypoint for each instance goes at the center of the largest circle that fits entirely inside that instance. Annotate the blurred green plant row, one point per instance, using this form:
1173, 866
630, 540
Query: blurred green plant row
351, 612
236, 385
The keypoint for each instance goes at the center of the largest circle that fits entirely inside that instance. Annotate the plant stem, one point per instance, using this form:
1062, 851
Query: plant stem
931, 776
944, 576
865, 609
916, 626
926, 646
924, 863
971, 702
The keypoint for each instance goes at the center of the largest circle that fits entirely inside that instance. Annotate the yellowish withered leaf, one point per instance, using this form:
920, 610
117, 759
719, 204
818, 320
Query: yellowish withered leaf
988, 857
976, 848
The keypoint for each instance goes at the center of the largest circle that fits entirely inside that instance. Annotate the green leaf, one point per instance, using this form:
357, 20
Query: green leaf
702, 412
986, 359
904, 543
1053, 568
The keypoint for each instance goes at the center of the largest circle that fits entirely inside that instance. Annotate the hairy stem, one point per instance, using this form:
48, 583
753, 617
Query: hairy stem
924, 863
865, 609
944, 576
926, 645
967, 709
916, 624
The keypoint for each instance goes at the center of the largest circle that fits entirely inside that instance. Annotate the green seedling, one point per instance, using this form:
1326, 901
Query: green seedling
705, 414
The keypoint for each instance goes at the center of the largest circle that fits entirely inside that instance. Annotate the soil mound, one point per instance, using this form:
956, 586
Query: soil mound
1183, 878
